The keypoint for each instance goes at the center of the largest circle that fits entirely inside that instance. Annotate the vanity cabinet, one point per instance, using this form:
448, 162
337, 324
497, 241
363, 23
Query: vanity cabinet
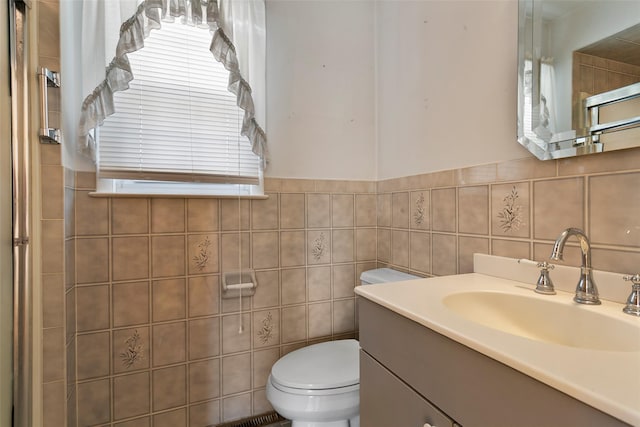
411, 375
387, 401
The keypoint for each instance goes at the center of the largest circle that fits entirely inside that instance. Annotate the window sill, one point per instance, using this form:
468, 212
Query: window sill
179, 196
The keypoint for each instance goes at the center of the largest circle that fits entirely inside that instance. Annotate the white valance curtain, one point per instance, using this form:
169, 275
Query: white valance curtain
113, 28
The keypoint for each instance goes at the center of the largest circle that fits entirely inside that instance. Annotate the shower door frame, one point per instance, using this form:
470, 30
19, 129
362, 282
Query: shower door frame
6, 232
21, 46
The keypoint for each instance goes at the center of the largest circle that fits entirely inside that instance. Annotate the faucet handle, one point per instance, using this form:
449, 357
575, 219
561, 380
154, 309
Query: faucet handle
544, 285
542, 264
633, 302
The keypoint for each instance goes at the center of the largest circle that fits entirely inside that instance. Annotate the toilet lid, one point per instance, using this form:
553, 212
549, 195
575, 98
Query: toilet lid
326, 365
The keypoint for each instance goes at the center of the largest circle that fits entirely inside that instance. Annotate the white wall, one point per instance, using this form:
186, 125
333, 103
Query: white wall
433, 82
320, 89
446, 85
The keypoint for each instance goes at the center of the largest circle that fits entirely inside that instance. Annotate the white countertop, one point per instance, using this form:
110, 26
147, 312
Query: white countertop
606, 380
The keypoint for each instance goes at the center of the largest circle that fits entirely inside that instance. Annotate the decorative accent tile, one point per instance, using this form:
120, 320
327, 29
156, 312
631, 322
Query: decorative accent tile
419, 211
319, 246
265, 333
510, 209
132, 353
266, 325
131, 349
511, 216
203, 254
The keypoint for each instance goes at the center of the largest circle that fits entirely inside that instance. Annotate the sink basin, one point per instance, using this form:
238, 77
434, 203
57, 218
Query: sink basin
548, 320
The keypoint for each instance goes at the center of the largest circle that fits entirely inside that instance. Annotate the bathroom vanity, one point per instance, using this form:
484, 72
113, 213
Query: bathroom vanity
419, 368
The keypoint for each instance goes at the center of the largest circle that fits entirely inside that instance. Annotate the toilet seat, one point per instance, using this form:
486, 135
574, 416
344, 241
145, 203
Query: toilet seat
314, 392
325, 368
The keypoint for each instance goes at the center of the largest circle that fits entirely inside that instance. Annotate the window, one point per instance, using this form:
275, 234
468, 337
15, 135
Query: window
177, 128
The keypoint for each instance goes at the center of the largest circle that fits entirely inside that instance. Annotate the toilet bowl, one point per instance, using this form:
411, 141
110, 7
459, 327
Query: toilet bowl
318, 385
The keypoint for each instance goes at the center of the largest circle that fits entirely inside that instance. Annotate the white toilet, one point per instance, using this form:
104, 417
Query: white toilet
319, 385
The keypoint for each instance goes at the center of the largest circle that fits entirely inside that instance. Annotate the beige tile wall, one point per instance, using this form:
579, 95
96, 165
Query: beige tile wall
153, 337
145, 335
56, 335
514, 209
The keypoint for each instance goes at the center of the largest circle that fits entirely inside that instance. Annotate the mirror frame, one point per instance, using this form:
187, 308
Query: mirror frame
564, 144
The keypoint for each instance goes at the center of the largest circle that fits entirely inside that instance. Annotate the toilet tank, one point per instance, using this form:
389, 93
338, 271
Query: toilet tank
383, 275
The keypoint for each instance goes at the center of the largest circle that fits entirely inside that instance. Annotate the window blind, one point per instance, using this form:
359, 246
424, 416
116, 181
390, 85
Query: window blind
177, 121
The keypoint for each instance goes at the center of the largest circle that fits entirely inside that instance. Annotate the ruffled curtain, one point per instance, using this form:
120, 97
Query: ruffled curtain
238, 42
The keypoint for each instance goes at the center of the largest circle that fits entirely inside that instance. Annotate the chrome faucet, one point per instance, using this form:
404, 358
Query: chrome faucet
586, 291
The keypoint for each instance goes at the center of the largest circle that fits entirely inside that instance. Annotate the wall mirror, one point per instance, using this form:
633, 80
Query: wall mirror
578, 76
